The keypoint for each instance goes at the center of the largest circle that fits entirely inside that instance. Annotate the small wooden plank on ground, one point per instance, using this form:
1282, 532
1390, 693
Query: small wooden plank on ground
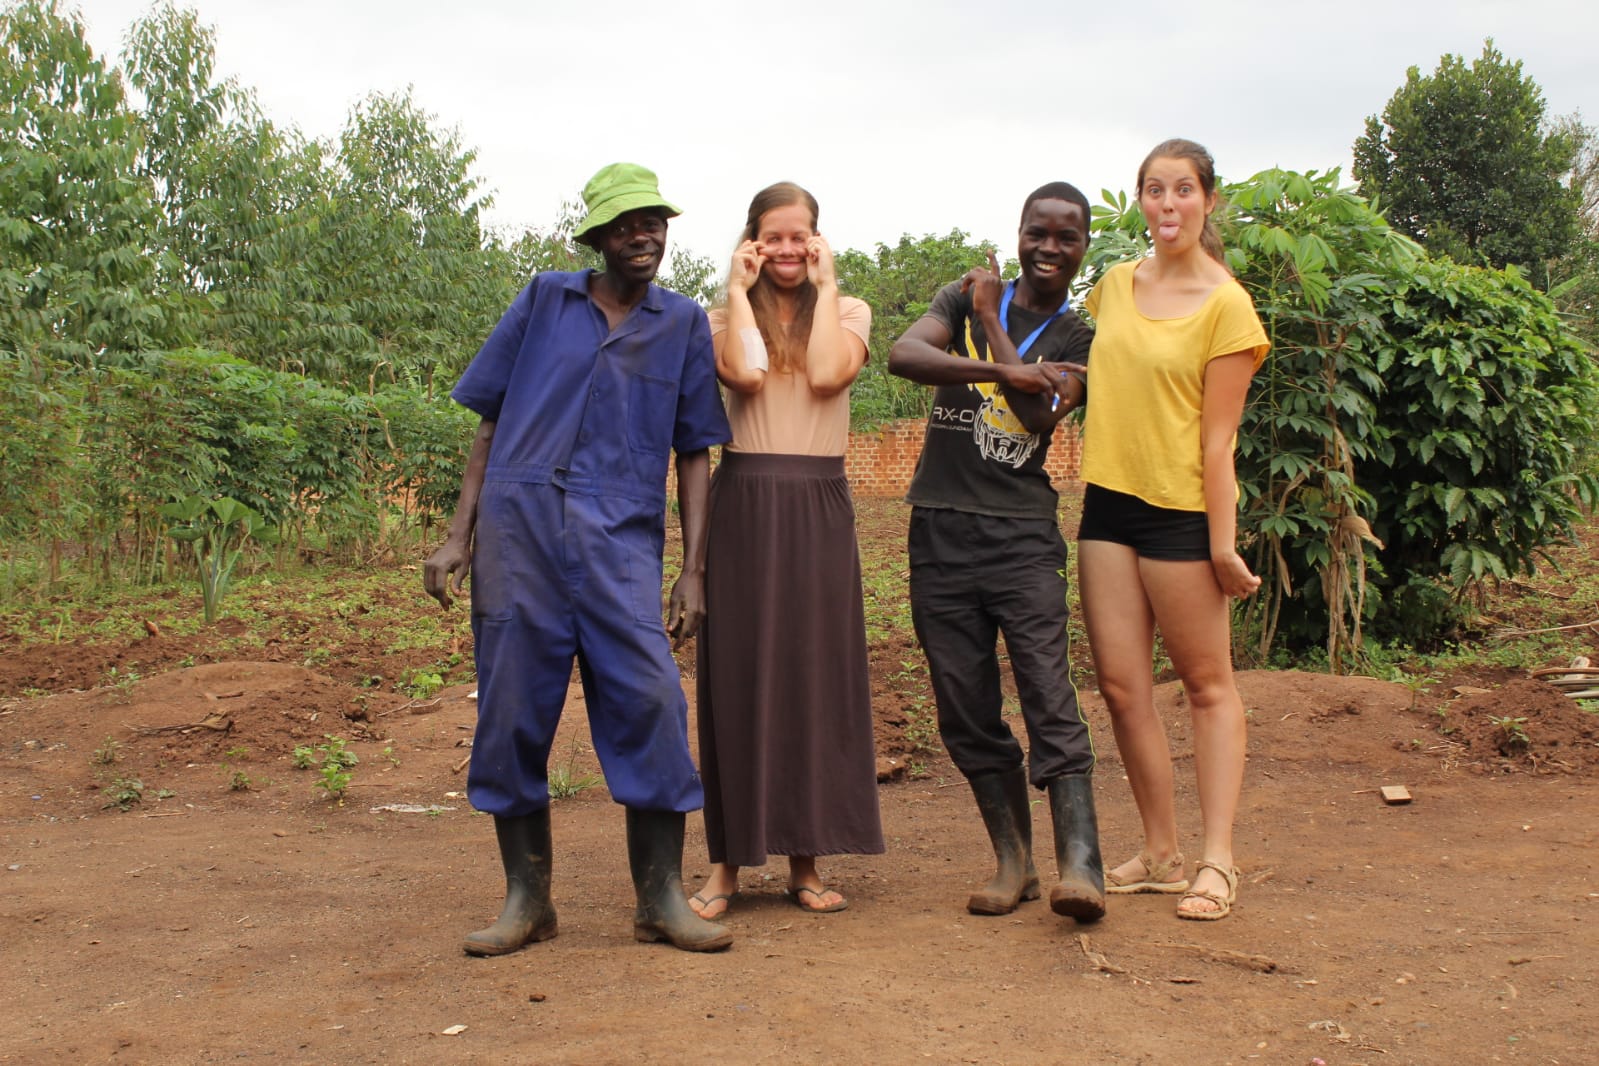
1395, 795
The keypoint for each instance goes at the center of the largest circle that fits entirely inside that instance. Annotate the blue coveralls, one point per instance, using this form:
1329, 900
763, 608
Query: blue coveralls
570, 530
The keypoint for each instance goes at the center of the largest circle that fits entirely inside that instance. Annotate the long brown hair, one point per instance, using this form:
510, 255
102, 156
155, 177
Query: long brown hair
1205, 169
785, 347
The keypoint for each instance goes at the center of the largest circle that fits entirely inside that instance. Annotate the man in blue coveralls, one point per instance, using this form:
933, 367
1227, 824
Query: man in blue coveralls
584, 387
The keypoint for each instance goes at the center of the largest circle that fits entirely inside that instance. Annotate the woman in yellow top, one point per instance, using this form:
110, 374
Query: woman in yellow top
1176, 343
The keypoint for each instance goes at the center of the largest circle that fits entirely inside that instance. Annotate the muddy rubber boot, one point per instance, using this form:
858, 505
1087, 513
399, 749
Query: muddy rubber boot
1002, 799
529, 916
1081, 891
655, 855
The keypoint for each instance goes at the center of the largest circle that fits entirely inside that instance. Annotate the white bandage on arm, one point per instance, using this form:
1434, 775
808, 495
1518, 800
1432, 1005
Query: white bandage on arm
754, 350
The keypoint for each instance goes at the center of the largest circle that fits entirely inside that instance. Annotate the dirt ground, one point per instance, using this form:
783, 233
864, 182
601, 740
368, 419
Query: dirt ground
237, 913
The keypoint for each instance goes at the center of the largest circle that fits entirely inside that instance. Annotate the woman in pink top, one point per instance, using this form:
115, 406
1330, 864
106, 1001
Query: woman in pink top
784, 707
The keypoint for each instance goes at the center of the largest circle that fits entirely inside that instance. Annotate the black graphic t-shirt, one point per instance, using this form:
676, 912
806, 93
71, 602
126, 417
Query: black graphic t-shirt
977, 456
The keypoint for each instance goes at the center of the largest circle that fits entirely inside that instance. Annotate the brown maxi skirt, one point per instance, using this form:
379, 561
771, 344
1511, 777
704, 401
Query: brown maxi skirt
785, 709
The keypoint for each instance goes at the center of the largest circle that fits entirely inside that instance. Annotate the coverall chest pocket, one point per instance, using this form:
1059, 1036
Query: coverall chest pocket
651, 413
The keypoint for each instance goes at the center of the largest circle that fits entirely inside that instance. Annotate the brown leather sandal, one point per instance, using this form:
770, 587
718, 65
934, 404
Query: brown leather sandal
1224, 904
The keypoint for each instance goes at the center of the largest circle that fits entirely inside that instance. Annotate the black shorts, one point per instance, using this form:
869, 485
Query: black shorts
1153, 532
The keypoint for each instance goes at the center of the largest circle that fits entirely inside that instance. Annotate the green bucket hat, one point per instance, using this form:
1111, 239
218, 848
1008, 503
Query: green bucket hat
616, 190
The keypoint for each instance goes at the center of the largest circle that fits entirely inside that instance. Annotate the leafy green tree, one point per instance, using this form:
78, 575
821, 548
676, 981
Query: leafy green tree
1464, 161
1573, 279
75, 216
403, 248
170, 59
899, 283
1500, 410
40, 413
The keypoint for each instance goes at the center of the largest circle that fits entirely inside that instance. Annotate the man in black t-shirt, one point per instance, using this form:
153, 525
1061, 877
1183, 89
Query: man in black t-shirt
986, 551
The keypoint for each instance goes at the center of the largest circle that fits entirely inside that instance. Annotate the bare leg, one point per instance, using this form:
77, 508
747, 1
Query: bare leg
1191, 611
1121, 635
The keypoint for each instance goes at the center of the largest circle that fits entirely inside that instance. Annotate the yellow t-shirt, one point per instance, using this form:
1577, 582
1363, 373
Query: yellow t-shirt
1146, 386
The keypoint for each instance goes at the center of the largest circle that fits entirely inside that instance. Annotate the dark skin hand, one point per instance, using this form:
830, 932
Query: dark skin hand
922, 355
686, 605
448, 567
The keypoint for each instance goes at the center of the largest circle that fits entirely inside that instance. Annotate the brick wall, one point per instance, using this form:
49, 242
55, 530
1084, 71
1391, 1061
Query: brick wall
880, 462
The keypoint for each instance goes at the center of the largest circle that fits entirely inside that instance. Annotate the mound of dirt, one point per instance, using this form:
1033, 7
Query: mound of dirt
203, 714
1526, 724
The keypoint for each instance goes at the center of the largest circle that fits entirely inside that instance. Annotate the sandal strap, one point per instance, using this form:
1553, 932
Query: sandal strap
1159, 871
1230, 874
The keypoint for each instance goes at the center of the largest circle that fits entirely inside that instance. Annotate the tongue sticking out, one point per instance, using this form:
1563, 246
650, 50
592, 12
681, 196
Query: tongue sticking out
1168, 231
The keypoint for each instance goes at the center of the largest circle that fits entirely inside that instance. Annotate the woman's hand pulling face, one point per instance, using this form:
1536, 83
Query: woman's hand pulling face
747, 262
819, 267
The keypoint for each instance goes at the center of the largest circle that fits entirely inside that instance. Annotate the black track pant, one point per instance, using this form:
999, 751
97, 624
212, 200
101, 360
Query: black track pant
974, 577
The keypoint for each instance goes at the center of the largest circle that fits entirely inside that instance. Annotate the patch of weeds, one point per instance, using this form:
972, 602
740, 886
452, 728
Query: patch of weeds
123, 793
318, 657
106, 753
332, 761
388, 753
186, 662
123, 681
921, 731
238, 780
421, 683
1512, 734
565, 782
334, 781
165, 794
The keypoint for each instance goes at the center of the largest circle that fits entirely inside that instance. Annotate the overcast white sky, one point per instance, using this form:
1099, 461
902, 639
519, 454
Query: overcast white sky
901, 117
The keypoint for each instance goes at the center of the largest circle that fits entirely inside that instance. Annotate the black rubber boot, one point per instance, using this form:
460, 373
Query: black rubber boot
655, 854
1002, 799
1081, 891
529, 916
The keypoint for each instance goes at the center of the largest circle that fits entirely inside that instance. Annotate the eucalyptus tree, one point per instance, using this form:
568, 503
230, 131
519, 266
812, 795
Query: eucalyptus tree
76, 277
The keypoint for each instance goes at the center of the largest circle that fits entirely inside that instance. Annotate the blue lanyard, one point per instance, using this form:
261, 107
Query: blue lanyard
1004, 320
